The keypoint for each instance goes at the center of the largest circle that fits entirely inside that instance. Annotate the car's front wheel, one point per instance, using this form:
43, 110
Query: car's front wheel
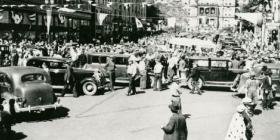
89, 88
191, 83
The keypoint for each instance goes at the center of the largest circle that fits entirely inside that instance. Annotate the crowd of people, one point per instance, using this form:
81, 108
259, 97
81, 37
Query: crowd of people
167, 67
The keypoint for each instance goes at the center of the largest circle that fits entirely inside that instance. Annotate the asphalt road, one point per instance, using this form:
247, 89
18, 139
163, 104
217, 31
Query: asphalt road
115, 116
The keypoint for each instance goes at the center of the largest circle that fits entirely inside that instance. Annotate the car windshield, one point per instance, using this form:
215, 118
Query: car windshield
201, 63
220, 64
32, 77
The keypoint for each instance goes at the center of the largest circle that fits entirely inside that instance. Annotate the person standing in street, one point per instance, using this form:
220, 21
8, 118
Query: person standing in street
110, 67
172, 62
132, 72
182, 68
70, 81
82, 59
252, 86
195, 75
143, 72
240, 127
266, 88
176, 129
158, 76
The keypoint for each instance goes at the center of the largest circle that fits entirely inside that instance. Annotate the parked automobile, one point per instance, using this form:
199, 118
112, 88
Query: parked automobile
214, 71
89, 82
98, 60
26, 89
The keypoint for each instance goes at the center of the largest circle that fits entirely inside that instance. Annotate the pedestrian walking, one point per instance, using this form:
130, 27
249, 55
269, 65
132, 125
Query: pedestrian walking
158, 76
176, 129
132, 72
110, 67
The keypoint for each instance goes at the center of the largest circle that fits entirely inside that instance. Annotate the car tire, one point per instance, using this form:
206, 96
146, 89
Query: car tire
200, 83
89, 88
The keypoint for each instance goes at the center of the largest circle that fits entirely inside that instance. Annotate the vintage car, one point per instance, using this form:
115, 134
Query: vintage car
89, 82
98, 60
26, 89
214, 71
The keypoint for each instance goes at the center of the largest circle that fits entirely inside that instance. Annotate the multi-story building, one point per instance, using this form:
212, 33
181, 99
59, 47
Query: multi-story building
211, 13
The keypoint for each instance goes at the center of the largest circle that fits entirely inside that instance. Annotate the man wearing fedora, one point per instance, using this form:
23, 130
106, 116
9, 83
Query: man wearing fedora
267, 90
252, 86
176, 129
110, 68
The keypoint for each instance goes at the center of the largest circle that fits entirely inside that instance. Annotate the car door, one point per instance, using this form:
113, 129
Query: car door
121, 68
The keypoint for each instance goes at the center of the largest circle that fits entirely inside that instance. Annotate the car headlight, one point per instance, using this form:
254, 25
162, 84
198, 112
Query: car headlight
21, 101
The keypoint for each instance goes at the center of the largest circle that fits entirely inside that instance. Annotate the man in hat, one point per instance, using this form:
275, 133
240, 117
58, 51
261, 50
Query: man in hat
195, 75
267, 90
110, 67
252, 86
158, 75
82, 59
176, 129
132, 70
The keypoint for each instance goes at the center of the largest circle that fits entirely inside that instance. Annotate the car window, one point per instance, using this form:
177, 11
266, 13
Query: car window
94, 59
222, 64
57, 65
5, 83
121, 61
33, 77
201, 63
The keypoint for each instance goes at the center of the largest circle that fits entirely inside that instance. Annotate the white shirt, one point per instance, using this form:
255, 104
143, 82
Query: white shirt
142, 66
158, 68
132, 69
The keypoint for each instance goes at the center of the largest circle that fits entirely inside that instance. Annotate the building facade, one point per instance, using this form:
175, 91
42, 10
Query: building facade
211, 14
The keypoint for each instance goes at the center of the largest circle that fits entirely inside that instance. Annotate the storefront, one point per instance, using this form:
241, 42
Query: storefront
31, 23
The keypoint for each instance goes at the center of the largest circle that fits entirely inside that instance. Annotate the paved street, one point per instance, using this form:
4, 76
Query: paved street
115, 116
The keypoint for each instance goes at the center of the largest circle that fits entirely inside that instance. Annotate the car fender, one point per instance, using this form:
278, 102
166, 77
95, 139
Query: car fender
88, 79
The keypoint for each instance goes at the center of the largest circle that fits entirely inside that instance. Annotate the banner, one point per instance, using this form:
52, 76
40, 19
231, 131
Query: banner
138, 23
171, 22
255, 18
49, 20
101, 17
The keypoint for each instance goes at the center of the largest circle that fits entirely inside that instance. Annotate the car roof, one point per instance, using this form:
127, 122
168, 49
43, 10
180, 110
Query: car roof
19, 70
110, 54
50, 59
207, 58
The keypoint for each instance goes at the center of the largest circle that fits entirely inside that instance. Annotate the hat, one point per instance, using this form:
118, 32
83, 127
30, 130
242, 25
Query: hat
240, 108
173, 107
246, 100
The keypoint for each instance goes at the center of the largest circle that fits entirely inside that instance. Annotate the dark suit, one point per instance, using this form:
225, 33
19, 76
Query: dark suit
267, 94
82, 60
70, 81
5, 125
176, 129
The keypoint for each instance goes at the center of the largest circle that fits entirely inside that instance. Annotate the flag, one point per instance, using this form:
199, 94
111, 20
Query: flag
49, 20
171, 22
101, 17
138, 23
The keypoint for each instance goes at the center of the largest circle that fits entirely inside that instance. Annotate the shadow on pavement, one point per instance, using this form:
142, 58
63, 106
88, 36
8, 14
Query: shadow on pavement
257, 112
47, 115
13, 136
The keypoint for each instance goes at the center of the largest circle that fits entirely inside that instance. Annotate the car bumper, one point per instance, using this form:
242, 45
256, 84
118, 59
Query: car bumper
39, 108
